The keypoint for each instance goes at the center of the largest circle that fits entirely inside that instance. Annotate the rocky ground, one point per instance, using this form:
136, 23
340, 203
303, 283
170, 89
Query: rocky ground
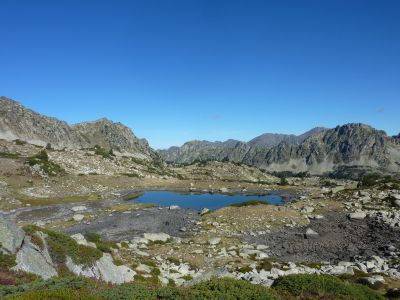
327, 226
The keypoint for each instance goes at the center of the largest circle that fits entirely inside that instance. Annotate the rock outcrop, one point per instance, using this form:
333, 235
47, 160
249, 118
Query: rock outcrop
35, 258
18, 122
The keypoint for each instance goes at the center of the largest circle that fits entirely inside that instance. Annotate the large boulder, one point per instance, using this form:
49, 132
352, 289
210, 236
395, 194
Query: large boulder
32, 259
114, 274
103, 269
11, 236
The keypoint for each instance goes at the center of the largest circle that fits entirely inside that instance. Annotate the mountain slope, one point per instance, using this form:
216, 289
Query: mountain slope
18, 122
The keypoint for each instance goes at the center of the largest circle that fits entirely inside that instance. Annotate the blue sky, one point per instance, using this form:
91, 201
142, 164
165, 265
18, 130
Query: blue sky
206, 69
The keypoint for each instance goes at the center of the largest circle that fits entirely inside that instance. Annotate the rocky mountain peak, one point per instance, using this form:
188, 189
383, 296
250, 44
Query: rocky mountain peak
19, 122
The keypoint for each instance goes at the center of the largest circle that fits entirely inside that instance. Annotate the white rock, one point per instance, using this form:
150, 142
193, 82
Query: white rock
223, 190
311, 233
31, 259
157, 237
174, 207
80, 239
78, 217
79, 208
214, 241
204, 211
143, 268
359, 215
114, 274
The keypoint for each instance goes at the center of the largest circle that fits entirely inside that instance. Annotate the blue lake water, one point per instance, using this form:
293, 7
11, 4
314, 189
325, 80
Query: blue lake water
199, 201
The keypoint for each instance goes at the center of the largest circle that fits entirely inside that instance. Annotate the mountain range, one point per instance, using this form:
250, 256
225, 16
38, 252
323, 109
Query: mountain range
355, 147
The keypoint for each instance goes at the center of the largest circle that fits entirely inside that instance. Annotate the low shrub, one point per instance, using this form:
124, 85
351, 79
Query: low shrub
306, 286
227, 288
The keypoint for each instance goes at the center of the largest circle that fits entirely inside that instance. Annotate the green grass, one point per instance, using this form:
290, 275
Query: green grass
6, 261
9, 155
249, 203
104, 246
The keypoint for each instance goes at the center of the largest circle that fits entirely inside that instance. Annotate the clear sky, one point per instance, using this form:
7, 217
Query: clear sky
205, 69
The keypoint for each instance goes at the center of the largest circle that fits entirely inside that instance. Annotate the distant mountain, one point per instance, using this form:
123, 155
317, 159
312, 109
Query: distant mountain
231, 150
317, 151
18, 122
273, 139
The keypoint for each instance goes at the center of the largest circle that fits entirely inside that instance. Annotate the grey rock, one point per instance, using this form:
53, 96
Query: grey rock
31, 259
214, 241
310, 234
359, 215
11, 236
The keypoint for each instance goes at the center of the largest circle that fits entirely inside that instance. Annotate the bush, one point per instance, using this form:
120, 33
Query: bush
103, 152
6, 261
308, 286
104, 246
227, 288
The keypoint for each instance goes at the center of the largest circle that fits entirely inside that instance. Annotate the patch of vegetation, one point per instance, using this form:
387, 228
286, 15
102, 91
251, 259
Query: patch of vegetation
48, 167
9, 155
103, 152
20, 142
150, 263
62, 245
244, 269
306, 286
289, 287
174, 261
132, 196
227, 288
249, 203
6, 261
103, 246
132, 175
283, 181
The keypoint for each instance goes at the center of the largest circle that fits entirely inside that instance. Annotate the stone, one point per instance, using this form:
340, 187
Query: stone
78, 217
81, 240
112, 273
396, 203
79, 208
307, 210
11, 236
359, 215
223, 190
376, 278
157, 237
204, 211
174, 207
311, 234
395, 196
31, 259
143, 268
214, 241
